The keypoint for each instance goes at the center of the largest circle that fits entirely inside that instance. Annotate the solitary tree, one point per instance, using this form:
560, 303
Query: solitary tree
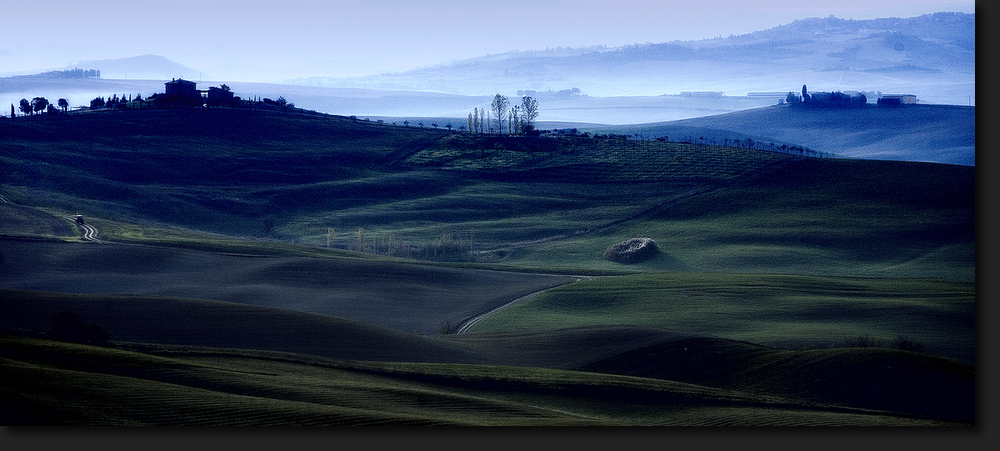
529, 110
25, 106
63, 104
499, 106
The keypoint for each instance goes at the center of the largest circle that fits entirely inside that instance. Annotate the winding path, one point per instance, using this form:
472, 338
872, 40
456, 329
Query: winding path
467, 323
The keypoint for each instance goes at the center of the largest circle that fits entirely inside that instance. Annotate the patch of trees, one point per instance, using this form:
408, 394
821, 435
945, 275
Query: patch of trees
281, 102
519, 118
71, 73
114, 102
746, 143
835, 99
38, 105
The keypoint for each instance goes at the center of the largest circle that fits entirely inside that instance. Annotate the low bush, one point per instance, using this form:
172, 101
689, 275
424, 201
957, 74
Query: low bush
633, 250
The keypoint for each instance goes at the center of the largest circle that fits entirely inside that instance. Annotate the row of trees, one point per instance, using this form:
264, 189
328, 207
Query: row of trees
826, 99
114, 101
519, 118
39, 105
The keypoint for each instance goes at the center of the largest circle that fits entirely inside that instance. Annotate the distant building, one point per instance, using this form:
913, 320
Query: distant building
180, 93
902, 99
702, 94
220, 97
181, 87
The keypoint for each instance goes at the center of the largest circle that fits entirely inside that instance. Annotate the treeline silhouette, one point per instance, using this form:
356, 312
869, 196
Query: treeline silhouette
834, 99
70, 73
625, 142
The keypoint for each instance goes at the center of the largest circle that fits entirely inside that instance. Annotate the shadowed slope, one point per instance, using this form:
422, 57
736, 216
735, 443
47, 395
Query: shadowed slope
194, 322
405, 296
875, 378
29, 222
198, 385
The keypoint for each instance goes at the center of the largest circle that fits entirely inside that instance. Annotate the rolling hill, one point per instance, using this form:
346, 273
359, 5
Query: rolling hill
242, 250
927, 133
932, 56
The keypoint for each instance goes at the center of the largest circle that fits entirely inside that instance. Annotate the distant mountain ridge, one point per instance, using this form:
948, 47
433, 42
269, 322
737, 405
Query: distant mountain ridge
146, 67
932, 55
142, 67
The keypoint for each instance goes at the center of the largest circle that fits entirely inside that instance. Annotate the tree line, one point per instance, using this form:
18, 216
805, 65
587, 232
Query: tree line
39, 105
70, 73
519, 118
835, 99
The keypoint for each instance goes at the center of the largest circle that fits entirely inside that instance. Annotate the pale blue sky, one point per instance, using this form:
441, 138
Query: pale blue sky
257, 40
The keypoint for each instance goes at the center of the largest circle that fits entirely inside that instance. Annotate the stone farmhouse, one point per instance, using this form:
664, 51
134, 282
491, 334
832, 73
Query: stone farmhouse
180, 93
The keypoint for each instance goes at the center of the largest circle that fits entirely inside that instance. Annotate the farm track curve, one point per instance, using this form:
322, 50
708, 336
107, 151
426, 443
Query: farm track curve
467, 323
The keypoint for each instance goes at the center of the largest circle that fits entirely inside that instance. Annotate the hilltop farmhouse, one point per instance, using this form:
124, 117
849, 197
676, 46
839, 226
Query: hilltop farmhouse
180, 93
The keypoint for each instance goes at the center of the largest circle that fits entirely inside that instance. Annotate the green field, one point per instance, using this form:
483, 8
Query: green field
778, 310
242, 248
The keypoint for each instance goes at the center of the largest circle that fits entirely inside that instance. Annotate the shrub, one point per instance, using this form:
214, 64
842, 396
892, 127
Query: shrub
633, 250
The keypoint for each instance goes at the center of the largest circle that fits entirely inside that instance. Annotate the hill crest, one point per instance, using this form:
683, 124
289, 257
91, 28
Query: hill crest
929, 55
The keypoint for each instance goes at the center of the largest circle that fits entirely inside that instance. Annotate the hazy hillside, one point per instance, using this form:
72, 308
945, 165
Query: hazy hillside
149, 67
928, 133
932, 56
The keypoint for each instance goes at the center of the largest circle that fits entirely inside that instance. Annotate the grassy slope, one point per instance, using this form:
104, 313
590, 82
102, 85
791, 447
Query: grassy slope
796, 311
817, 216
21, 221
931, 133
293, 177
198, 168
410, 186
69, 384
920, 230
406, 296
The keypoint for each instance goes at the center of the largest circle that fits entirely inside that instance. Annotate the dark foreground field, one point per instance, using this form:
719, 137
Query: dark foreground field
260, 268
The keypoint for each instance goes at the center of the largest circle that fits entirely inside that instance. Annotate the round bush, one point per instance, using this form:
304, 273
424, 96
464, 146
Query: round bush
633, 250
